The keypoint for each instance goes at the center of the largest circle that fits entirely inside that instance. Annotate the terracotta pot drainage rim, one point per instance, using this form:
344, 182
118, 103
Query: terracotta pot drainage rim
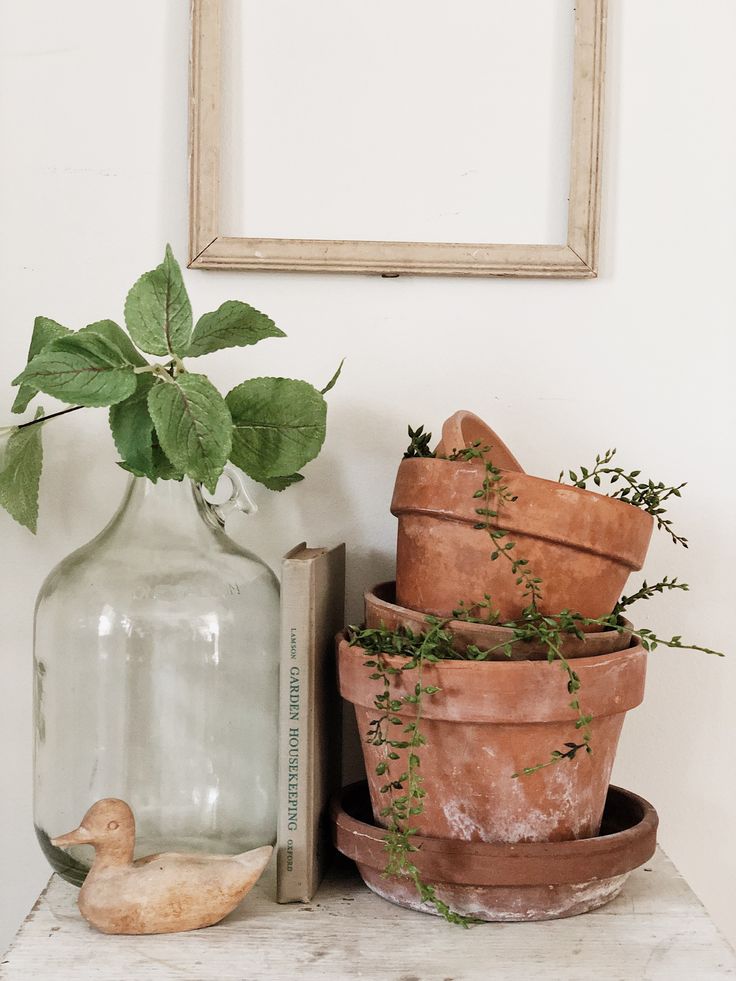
499, 882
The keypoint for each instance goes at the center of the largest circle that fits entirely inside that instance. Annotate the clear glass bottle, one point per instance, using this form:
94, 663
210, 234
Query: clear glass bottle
156, 680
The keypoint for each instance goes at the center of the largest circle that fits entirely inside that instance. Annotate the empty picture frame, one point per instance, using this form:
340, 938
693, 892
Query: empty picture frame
209, 248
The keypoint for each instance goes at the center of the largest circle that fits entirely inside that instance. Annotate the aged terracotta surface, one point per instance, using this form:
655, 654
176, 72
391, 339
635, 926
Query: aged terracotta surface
505, 882
382, 611
582, 545
465, 428
489, 720
165, 893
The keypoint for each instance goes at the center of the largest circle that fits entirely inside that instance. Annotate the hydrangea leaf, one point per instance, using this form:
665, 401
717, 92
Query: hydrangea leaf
132, 429
158, 313
20, 474
193, 426
82, 369
279, 425
234, 324
44, 331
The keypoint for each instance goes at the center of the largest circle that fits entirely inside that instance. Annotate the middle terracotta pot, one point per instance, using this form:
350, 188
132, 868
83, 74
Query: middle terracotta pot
489, 720
581, 544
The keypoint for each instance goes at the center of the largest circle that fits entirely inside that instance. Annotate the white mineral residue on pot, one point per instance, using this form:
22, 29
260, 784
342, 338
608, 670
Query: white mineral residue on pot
512, 829
517, 820
485, 903
575, 800
463, 826
507, 904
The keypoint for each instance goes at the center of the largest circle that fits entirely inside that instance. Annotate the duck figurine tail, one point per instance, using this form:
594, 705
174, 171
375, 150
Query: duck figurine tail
165, 893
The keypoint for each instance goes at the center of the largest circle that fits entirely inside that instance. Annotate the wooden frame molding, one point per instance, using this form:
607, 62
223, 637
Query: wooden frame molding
577, 259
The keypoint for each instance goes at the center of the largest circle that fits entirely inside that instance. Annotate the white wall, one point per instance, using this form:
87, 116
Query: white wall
93, 182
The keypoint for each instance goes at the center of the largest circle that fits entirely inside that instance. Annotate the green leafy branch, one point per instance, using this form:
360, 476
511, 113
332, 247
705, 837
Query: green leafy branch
167, 422
646, 592
645, 494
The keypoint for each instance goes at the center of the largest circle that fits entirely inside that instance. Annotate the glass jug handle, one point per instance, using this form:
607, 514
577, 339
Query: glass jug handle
239, 499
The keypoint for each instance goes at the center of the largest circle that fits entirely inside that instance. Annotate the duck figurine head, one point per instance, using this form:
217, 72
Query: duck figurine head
163, 893
109, 826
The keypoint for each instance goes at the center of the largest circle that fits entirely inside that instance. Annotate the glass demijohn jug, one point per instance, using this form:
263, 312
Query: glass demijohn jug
156, 679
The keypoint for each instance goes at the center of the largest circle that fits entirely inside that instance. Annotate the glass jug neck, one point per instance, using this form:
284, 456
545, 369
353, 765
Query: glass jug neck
167, 511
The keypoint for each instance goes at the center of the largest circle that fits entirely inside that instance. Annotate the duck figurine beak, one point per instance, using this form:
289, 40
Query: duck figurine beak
80, 836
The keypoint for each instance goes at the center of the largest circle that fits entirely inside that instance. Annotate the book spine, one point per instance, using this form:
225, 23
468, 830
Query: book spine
293, 860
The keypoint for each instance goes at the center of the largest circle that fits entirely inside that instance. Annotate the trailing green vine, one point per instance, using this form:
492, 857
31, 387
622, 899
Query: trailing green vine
494, 489
644, 494
404, 790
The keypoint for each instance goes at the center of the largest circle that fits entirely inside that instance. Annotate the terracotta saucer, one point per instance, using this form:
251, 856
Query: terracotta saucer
496, 882
381, 610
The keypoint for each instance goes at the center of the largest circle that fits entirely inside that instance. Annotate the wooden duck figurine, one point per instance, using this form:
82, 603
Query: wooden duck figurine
165, 893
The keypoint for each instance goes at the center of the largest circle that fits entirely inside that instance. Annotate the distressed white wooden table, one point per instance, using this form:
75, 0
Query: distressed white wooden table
655, 929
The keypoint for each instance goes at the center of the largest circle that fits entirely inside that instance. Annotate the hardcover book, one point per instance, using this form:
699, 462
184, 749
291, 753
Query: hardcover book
312, 613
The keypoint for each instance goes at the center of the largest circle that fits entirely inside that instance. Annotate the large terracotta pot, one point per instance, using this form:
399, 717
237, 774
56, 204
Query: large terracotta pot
382, 611
582, 545
489, 720
499, 881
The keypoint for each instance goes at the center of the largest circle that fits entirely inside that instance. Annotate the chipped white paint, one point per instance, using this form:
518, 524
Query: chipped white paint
655, 930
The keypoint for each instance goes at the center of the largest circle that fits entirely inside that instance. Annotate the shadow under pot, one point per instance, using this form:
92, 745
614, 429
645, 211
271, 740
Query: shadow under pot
488, 721
582, 545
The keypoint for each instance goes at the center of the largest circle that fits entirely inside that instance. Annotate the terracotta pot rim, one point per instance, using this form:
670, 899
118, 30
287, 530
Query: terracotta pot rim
464, 628
629, 549
503, 693
464, 664
458, 421
493, 863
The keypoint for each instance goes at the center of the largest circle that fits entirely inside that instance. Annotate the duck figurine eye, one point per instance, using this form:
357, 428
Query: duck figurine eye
165, 893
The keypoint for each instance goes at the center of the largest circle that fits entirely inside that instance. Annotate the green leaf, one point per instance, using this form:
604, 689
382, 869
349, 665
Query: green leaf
83, 369
21, 473
132, 429
279, 426
234, 324
44, 331
279, 483
116, 341
161, 467
193, 426
158, 313
333, 381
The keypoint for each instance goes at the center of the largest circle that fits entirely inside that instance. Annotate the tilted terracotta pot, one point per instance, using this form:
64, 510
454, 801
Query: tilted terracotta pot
382, 611
582, 545
505, 882
465, 428
491, 719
